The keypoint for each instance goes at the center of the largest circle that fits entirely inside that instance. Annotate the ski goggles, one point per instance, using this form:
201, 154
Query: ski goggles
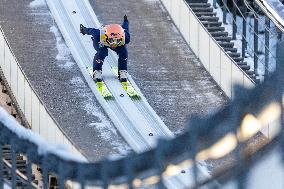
114, 41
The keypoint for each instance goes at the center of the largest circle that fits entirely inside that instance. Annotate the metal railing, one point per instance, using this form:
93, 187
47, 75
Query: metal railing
256, 36
214, 137
216, 61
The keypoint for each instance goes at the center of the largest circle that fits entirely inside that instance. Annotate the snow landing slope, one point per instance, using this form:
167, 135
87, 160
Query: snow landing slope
135, 119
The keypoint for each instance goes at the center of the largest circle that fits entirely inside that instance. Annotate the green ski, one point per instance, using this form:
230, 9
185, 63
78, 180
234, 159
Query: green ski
130, 90
101, 86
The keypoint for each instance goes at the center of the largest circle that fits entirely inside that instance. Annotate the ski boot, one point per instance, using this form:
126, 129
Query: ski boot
122, 75
97, 76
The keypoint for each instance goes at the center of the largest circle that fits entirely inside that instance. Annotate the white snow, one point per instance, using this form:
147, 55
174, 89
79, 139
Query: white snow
65, 61
68, 65
268, 173
105, 128
63, 51
37, 3
151, 1
229, 185
6, 186
26, 134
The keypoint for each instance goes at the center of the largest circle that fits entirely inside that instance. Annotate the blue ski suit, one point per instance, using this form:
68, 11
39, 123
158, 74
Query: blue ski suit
102, 51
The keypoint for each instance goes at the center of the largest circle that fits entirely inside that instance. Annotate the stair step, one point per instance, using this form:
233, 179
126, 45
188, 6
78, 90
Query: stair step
8, 157
215, 29
218, 34
226, 44
5, 151
244, 67
238, 59
242, 63
199, 14
21, 169
222, 38
234, 54
231, 49
199, 5
21, 162
6, 147
209, 24
257, 81
202, 9
250, 72
209, 18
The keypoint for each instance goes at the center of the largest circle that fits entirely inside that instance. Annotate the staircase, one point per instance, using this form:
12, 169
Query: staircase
204, 12
21, 164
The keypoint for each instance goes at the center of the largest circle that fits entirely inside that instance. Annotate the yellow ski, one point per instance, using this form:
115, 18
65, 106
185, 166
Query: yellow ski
101, 86
127, 85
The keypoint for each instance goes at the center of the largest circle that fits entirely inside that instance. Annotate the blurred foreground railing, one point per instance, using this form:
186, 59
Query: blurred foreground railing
217, 136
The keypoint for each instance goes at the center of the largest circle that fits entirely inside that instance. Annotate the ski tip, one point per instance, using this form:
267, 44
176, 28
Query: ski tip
108, 97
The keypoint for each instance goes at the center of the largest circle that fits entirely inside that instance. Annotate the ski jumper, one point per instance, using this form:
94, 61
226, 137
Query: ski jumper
102, 48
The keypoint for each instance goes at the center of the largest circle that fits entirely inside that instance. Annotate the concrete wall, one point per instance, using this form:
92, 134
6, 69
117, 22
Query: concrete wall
33, 108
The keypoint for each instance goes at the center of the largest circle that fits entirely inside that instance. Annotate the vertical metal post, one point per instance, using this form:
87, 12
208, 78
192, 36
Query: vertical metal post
234, 25
61, 177
29, 170
279, 57
192, 140
128, 172
255, 36
266, 51
214, 4
81, 176
280, 77
1, 167
225, 12
104, 174
244, 36
82, 185
242, 180
45, 178
279, 35
195, 172
159, 158
14, 166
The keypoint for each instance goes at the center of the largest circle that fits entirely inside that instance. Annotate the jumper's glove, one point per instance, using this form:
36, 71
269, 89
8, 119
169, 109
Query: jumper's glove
82, 29
125, 18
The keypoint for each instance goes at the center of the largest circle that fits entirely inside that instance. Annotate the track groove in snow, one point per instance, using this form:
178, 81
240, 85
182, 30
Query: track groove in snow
135, 119
132, 123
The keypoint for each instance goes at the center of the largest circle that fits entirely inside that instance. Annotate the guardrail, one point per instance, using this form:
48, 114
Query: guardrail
214, 137
217, 62
38, 117
272, 14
